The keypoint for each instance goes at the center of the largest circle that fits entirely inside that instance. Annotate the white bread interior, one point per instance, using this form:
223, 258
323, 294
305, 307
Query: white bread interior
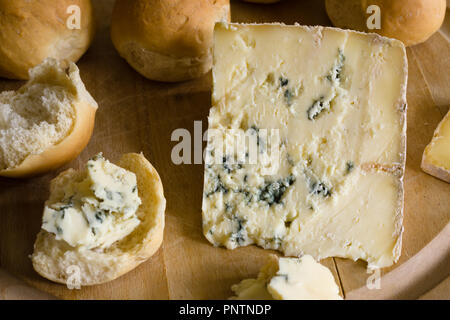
52, 258
53, 106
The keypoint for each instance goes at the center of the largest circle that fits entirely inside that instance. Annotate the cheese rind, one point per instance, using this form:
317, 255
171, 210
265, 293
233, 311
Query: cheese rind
436, 157
289, 279
338, 101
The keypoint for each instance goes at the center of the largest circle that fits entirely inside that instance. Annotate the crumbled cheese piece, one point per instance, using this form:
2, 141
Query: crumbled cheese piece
97, 209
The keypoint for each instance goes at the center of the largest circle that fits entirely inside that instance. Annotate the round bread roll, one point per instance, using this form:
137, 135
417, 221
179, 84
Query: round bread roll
47, 122
167, 40
31, 31
53, 258
410, 21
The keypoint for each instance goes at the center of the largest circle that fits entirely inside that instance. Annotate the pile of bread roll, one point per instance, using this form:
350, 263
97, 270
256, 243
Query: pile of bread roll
163, 40
49, 121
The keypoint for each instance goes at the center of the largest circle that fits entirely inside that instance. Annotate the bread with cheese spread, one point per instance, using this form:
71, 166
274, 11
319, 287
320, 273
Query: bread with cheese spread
56, 259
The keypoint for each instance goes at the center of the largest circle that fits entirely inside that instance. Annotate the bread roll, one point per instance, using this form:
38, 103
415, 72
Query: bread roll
410, 21
31, 31
47, 122
53, 258
167, 40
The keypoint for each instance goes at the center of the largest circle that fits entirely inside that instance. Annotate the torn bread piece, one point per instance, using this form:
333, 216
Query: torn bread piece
47, 122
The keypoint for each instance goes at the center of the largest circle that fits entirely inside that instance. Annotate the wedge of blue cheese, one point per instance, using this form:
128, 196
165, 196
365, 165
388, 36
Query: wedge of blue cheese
95, 209
289, 279
337, 100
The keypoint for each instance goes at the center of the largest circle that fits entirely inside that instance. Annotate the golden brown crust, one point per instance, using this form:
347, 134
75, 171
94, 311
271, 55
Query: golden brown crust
159, 67
167, 40
52, 258
410, 21
31, 31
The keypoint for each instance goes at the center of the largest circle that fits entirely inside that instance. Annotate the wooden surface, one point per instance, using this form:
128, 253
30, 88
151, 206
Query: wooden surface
440, 292
12, 288
136, 114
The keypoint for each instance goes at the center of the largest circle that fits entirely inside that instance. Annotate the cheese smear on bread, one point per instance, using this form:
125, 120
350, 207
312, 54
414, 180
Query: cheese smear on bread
97, 209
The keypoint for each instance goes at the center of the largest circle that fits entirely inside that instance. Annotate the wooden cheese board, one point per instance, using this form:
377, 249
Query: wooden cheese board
136, 114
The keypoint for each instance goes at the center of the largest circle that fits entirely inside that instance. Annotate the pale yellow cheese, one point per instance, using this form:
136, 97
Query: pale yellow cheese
436, 157
289, 279
96, 209
338, 101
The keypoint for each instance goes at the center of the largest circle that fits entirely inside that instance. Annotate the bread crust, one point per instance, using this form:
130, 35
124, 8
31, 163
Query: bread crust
53, 258
31, 31
62, 153
72, 145
160, 67
410, 21
166, 40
